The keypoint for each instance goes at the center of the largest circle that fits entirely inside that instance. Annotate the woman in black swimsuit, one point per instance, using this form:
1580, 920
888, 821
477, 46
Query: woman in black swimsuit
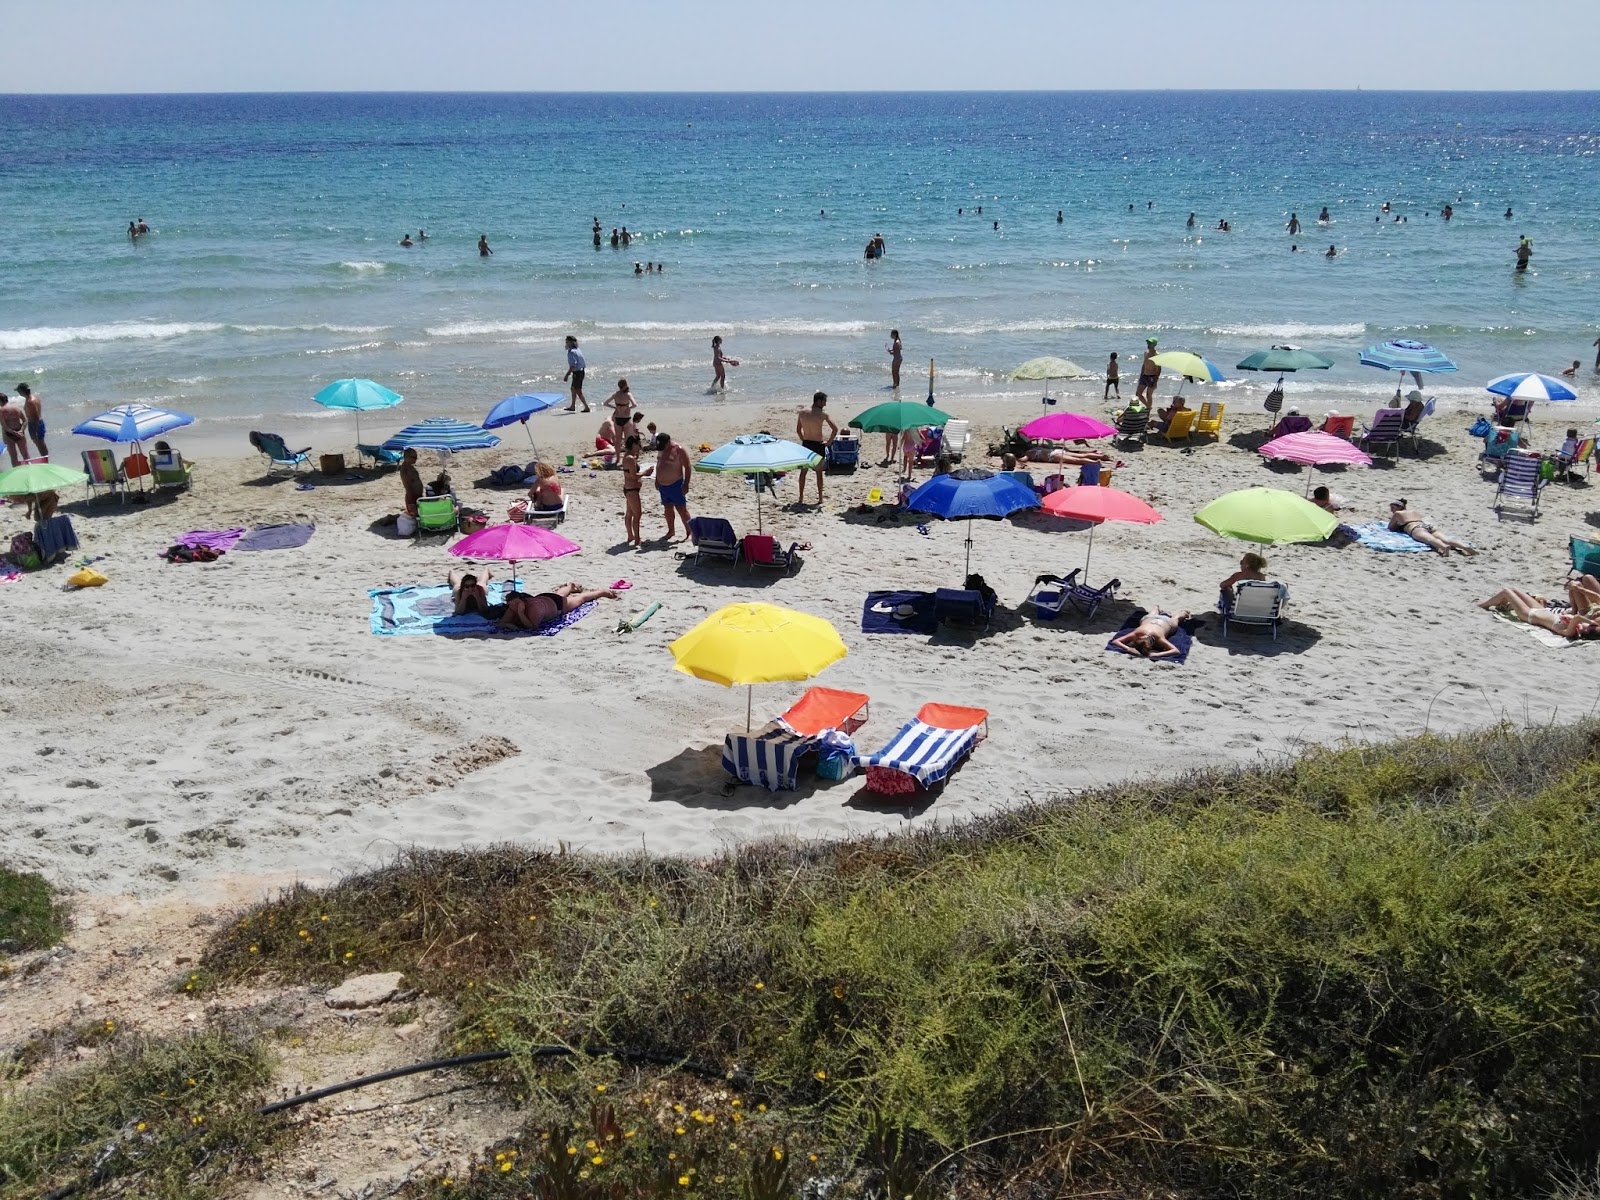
632, 480
533, 612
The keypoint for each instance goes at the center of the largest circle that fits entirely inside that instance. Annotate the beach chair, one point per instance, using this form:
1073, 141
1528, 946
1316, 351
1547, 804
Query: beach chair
964, 607
1023, 477
1384, 431
957, 436
762, 550
843, 453
1409, 432
822, 709
279, 456
931, 445
926, 750
1052, 594
101, 468
436, 514
1344, 427
1208, 421
381, 457
1254, 602
1584, 556
1579, 458
170, 471
1498, 444
1180, 426
1132, 426
713, 538
1515, 412
1520, 479
545, 516
820, 722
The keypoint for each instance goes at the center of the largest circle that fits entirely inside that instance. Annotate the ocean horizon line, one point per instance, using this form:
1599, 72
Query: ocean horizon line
1153, 91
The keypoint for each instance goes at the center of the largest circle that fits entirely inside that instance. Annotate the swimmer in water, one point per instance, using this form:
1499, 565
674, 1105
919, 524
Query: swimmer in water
1190, 224
405, 240
1294, 224
1322, 217
483, 246
1333, 252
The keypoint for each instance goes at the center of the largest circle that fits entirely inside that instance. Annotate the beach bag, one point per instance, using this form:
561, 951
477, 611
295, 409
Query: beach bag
471, 522
86, 578
1480, 427
25, 552
509, 475
1274, 401
833, 764
405, 525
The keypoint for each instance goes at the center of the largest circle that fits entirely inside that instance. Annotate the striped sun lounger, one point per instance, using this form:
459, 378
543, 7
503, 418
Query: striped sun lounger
925, 750
770, 757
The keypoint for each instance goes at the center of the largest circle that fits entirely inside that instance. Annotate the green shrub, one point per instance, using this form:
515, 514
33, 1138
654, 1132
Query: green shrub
30, 916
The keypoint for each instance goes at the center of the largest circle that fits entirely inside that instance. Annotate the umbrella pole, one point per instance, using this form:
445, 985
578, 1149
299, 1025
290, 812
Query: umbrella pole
529, 431
969, 546
1089, 553
749, 705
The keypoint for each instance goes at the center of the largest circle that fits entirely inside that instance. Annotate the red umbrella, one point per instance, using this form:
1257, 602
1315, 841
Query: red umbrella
1066, 427
1314, 449
1098, 504
514, 544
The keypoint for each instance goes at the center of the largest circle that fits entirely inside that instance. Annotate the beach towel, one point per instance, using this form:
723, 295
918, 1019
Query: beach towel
56, 537
276, 537
8, 573
1376, 535
429, 610
1544, 636
878, 613
1182, 638
220, 540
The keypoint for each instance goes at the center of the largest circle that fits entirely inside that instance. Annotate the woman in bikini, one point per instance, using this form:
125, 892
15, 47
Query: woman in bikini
1403, 520
524, 611
1580, 620
467, 588
1152, 637
632, 480
545, 495
620, 402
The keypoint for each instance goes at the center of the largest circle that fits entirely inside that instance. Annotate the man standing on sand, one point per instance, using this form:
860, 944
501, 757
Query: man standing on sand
12, 423
33, 410
1149, 375
815, 429
411, 480
672, 483
576, 366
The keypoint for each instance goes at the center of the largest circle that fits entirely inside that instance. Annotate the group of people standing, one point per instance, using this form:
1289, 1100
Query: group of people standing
20, 422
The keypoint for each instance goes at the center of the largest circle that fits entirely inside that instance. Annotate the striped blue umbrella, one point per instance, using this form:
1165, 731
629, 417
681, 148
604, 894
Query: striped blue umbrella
132, 423
1530, 385
758, 454
442, 433
1404, 354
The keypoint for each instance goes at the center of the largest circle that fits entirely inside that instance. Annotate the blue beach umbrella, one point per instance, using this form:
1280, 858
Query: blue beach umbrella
1530, 385
445, 434
132, 423
357, 396
1404, 354
519, 408
761, 455
969, 494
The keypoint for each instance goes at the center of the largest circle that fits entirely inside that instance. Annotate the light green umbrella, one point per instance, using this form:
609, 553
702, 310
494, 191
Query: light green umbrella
896, 416
1047, 368
1190, 366
33, 478
1267, 515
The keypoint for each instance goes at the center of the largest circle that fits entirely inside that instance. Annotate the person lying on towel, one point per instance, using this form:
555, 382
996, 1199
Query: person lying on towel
523, 611
1582, 621
1152, 637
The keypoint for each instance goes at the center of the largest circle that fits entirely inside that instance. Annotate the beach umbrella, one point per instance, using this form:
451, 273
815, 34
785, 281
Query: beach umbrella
132, 423
896, 416
1315, 449
32, 478
357, 396
1530, 385
1190, 366
1285, 360
761, 455
1406, 354
1047, 368
1267, 515
970, 494
445, 434
1066, 427
746, 644
514, 544
520, 408
1098, 505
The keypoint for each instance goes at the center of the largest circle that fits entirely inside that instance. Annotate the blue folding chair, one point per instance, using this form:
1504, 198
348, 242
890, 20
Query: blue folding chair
713, 537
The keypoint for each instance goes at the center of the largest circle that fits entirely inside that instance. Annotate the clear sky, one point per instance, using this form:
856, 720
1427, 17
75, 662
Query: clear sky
793, 45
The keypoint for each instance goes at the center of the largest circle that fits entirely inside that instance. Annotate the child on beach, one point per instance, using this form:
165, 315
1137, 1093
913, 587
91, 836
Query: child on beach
632, 481
1113, 376
720, 364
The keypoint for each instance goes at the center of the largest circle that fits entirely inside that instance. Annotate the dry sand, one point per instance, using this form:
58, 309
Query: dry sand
188, 722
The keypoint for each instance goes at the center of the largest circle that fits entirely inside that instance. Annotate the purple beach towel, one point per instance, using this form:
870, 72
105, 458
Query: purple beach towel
220, 540
276, 537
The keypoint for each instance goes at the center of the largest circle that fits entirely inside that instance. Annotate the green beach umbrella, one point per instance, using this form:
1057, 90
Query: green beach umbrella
896, 416
1285, 358
1267, 515
33, 478
1047, 368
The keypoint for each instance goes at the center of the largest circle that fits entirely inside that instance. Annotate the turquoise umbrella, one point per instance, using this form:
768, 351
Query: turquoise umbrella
357, 396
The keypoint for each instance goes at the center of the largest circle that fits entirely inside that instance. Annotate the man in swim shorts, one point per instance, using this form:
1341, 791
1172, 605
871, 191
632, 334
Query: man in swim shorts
672, 483
576, 366
33, 410
815, 429
1149, 374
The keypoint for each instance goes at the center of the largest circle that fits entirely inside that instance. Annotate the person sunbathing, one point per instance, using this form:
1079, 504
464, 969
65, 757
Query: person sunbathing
1403, 520
1069, 456
1251, 566
1328, 501
1581, 621
1152, 637
545, 495
467, 588
536, 611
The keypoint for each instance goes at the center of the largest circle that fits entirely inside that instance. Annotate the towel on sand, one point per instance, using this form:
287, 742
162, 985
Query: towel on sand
1182, 637
1376, 535
1553, 640
220, 540
429, 609
877, 615
276, 537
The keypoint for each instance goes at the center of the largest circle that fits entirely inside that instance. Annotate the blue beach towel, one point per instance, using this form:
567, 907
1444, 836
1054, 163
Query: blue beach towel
275, 537
1182, 638
429, 610
877, 615
1376, 535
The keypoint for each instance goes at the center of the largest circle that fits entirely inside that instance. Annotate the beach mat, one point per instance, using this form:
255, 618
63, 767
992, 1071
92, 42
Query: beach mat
1376, 535
1183, 638
877, 615
220, 540
428, 610
276, 537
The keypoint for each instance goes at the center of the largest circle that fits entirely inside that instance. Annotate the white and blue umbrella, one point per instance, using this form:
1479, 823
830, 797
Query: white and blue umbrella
971, 493
520, 408
133, 423
1405, 354
357, 396
445, 434
1530, 385
761, 455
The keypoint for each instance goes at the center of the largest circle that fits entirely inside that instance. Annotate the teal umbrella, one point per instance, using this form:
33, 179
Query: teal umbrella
357, 396
896, 416
761, 455
1284, 360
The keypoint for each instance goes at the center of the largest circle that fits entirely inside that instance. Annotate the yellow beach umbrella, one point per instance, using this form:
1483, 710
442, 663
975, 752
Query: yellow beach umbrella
746, 644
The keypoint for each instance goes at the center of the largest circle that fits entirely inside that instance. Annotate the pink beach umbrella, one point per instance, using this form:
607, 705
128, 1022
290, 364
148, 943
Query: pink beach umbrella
1314, 449
514, 544
1098, 505
1066, 427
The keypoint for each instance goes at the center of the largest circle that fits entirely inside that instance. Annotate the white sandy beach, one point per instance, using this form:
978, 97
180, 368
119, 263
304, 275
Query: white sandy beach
189, 722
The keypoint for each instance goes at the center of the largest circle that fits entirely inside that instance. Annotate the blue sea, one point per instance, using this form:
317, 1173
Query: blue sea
274, 265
